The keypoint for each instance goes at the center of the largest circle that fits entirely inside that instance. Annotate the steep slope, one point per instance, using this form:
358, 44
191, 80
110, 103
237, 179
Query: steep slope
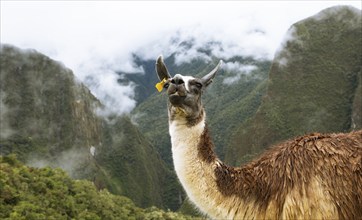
47, 118
135, 168
312, 83
42, 104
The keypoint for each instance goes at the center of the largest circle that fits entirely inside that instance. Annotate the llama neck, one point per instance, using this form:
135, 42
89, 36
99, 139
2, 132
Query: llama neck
194, 141
206, 180
195, 164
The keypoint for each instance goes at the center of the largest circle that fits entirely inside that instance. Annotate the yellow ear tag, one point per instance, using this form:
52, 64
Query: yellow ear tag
159, 86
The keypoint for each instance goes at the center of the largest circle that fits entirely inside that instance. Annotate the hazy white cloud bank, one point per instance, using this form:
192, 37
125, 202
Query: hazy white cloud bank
97, 38
238, 69
74, 161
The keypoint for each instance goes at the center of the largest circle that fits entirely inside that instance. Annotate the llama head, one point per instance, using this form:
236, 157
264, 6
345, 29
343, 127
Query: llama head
184, 92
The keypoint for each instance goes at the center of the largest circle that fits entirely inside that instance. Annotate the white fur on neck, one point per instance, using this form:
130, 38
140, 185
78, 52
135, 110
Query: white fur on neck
196, 176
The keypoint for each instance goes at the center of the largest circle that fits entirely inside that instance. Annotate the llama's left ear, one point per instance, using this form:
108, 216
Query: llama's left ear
207, 79
161, 69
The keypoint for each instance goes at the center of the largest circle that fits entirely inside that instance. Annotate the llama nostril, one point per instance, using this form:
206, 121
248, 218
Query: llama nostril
177, 81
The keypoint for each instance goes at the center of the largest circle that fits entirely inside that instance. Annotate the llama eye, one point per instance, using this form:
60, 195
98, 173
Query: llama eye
198, 85
166, 85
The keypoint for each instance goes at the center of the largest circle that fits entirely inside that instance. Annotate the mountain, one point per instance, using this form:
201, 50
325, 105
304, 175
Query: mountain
40, 101
314, 84
49, 119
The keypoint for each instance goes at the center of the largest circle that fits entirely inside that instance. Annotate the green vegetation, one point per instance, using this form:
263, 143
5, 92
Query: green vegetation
45, 193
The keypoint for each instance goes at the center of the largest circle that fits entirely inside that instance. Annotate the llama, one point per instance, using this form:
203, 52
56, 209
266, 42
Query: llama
317, 176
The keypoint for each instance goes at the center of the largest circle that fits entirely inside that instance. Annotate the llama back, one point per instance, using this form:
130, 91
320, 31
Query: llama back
313, 176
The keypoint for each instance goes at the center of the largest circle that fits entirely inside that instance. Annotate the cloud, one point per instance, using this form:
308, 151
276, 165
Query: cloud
74, 161
282, 55
101, 78
96, 39
116, 98
238, 69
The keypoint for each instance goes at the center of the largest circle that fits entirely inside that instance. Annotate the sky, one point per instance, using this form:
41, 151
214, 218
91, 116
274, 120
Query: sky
97, 38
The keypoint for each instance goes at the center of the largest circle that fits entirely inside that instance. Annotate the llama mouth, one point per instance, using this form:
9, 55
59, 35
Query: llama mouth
176, 99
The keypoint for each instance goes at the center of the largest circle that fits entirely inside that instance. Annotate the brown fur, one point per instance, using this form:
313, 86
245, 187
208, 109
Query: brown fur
336, 159
205, 147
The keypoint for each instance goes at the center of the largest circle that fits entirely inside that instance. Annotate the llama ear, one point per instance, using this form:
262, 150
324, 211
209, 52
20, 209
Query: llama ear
207, 79
161, 69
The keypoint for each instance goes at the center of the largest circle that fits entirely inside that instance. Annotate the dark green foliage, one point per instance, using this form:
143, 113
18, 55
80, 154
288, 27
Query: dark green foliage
32, 193
188, 208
